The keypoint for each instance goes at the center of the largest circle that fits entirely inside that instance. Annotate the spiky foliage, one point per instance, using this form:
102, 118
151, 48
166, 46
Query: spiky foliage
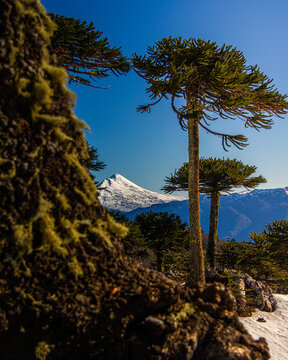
275, 236
218, 81
161, 231
216, 177
215, 82
84, 53
221, 175
264, 257
93, 163
134, 242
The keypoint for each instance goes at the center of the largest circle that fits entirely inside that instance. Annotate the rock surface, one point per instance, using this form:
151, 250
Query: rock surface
67, 290
249, 292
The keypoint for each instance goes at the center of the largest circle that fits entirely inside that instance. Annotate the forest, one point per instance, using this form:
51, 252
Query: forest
78, 281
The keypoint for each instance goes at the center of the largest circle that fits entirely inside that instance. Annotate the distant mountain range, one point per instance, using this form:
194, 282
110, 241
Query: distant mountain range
240, 213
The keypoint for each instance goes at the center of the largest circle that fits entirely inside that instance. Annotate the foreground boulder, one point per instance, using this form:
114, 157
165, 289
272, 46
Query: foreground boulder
67, 290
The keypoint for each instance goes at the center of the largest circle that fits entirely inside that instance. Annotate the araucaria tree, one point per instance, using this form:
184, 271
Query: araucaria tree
161, 231
93, 162
215, 82
216, 176
84, 53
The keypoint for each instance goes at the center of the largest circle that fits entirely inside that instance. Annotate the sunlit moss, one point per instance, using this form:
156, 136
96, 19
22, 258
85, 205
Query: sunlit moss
91, 266
43, 94
14, 50
61, 135
62, 200
185, 312
42, 350
19, 7
22, 87
58, 74
10, 173
118, 229
52, 119
75, 267
33, 154
50, 237
73, 234
101, 230
90, 191
23, 237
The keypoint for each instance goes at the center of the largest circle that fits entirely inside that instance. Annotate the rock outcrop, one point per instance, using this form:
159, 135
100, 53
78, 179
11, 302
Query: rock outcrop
249, 293
67, 290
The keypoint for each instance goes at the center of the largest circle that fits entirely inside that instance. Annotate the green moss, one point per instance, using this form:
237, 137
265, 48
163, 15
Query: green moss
22, 86
58, 74
118, 229
44, 207
19, 7
62, 200
184, 313
42, 350
8, 174
75, 267
33, 154
43, 94
14, 50
90, 191
61, 135
33, 177
52, 119
87, 200
23, 237
91, 266
101, 230
51, 239
73, 234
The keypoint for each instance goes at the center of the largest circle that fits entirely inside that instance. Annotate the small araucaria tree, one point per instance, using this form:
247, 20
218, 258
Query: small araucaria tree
215, 82
161, 231
216, 176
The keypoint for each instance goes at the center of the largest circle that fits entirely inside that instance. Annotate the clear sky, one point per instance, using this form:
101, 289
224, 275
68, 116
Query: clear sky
147, 147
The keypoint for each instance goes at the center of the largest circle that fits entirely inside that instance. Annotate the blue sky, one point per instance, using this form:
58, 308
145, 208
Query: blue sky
147, 147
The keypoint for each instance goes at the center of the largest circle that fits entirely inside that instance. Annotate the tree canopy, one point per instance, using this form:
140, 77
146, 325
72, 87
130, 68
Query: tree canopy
215, 82
84, 53
161, 231
93, 162
216, 176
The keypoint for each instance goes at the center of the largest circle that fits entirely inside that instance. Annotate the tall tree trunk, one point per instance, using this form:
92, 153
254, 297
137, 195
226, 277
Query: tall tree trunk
213, 228
197, 270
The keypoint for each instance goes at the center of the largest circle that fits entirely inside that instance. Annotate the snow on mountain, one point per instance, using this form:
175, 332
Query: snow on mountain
239, 213
119, 193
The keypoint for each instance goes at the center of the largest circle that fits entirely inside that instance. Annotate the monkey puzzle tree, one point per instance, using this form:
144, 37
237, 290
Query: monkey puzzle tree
161, 231
214, 81
216, 176
83, 53
93, 162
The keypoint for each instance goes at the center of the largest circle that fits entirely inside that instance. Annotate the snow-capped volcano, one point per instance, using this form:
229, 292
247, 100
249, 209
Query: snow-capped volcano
119, 193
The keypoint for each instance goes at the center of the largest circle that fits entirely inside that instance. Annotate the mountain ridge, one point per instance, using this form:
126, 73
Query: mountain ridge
119, 193
240, 213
